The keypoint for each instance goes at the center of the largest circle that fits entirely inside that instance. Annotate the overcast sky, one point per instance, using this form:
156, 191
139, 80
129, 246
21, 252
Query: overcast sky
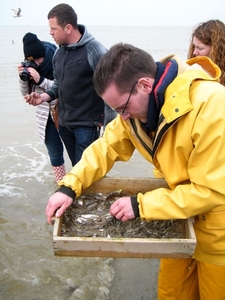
118, 12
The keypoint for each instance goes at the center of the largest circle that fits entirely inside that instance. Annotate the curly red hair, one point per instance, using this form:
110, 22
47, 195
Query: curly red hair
211, 33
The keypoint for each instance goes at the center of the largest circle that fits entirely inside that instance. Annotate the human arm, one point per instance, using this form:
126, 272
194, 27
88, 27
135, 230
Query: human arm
192, 160
24, 85
39, 80
33, 74
95, 50
125, 208
46, 84
36, 98
96, 161
57, 204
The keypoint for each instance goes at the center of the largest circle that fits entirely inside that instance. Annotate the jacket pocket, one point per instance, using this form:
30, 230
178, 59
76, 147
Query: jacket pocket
210, 230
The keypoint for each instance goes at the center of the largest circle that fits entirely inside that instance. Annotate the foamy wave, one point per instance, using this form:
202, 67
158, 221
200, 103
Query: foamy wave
28, 162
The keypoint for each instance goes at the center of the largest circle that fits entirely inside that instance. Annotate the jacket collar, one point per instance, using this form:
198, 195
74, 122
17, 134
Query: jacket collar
177, 94
164, 76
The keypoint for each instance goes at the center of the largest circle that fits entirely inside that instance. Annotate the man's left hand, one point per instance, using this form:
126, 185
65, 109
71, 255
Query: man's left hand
122, 209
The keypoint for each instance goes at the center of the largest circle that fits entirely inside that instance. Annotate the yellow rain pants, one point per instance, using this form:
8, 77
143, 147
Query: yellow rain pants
188, 279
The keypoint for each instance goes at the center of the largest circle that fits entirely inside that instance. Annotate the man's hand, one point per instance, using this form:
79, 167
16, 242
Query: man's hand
122, 209
34, 99
57, 204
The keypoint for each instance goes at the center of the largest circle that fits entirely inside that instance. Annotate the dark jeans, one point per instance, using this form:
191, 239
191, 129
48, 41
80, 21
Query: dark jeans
77, 140
53, 144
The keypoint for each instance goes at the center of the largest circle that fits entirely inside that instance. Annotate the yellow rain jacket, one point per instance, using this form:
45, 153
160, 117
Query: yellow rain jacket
188, 148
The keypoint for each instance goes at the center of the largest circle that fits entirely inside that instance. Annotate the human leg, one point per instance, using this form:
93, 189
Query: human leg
84, 136
211, 281
69, 142
178, 279
55, 149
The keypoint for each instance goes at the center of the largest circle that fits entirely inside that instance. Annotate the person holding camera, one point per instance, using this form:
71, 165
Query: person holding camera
36, 75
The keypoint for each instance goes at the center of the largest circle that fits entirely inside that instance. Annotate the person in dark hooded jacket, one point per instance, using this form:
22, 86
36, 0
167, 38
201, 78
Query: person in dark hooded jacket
81, 110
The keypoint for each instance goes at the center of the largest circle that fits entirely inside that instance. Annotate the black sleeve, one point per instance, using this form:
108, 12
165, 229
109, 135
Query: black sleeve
67, 191
135, 207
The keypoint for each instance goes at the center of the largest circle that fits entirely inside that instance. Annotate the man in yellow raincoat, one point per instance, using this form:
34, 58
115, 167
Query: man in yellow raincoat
173, 113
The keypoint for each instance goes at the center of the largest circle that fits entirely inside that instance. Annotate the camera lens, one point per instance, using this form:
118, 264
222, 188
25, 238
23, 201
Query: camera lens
24, 75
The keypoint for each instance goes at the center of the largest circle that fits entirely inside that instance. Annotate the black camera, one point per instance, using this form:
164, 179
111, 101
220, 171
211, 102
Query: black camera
25, 75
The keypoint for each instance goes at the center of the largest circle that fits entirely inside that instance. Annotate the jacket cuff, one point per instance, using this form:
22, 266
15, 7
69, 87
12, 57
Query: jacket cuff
135, 206
40, 80
51, 95
67, 191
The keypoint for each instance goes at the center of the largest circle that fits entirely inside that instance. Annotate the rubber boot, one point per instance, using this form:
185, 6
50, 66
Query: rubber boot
59, 172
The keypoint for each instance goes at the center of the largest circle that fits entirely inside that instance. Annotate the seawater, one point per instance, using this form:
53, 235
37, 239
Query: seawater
28, 268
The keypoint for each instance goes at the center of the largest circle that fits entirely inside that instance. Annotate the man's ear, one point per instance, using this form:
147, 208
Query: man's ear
68, 28
146, 84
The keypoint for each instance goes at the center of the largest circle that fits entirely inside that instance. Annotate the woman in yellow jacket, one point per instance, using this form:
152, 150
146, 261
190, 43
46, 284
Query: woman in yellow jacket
172, 112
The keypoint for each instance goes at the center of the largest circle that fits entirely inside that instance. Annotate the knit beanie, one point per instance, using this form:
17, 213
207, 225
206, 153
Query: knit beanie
33, 48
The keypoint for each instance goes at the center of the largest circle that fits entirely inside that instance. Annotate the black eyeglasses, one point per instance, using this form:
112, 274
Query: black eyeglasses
123, 111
